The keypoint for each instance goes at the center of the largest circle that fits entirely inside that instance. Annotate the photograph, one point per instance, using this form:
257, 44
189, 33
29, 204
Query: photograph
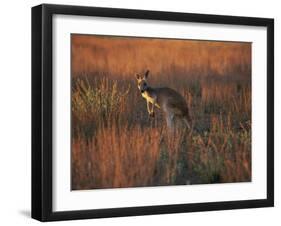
145, 112
149, 111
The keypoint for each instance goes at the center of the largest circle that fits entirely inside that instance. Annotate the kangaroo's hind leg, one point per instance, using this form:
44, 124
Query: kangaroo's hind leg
170, 119
186, 122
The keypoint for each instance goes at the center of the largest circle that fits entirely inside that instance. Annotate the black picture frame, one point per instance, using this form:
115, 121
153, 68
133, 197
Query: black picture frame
42, 111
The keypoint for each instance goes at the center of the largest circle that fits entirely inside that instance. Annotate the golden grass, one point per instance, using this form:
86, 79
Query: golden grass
121, 157
123, 57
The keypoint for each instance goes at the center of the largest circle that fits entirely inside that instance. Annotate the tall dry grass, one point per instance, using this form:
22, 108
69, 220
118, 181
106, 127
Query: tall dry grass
116, 144
121, 57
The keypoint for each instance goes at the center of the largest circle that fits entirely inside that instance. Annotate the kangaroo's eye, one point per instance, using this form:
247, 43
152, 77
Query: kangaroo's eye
144, 84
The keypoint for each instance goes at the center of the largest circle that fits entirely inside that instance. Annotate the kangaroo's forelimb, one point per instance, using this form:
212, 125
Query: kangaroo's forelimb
150, 110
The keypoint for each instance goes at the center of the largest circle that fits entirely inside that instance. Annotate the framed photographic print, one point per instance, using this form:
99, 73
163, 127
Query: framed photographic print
145, 112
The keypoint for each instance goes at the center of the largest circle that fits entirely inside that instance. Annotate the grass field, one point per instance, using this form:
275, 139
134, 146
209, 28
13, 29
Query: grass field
114, 141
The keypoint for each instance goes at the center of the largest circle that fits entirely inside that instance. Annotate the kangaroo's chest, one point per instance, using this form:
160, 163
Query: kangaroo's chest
150, 98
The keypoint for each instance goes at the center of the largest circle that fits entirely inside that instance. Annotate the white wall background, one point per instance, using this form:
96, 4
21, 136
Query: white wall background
15, 104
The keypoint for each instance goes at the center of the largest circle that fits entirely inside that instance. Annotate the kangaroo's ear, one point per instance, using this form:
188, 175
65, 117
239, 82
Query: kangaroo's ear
137, 76
146, 74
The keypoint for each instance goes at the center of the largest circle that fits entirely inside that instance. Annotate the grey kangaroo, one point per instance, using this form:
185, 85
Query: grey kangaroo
168, 100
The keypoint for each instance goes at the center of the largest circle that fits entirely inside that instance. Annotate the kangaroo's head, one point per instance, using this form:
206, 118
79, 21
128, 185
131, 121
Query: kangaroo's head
142, 83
